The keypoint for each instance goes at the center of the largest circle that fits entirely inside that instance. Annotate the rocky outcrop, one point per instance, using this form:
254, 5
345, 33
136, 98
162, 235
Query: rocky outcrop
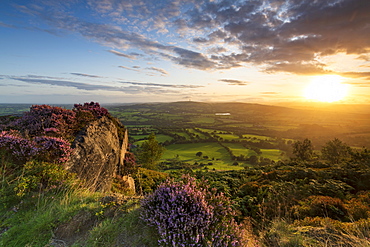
129, 183
97, 154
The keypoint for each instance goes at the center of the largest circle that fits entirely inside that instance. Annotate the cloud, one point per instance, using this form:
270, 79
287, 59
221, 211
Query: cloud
192, 59
234, 82
160, 85
37, 77
117, 37
2, 24
122, 54
269, 93
66, 83
278, 36
134, 68
135, 88
86, 75
161, 71
217, 49
285, 32
365, 75
298, 68
200, 40
360, 76
360, 84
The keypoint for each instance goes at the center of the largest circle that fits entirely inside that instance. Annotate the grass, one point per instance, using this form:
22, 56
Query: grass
139, 137
123, 230
238, 149
187, 152
138, 126
281, 233
35, 216
209, 130
81, 218
203, 119
183, 134
195, 132
74, 218
259, 137
222, 166
162, 138
228, 137
217, 155
138, 143
272, 154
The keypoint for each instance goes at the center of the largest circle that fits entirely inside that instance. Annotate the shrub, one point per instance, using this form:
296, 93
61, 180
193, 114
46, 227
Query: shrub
130, 166
38, 175
53, 149
56, 121
93, 107
323, 206
188, 213
42, 119
359, 206
146, 181
15, 147
45, 148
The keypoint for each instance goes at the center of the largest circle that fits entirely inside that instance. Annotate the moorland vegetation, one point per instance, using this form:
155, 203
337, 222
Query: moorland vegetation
255, 177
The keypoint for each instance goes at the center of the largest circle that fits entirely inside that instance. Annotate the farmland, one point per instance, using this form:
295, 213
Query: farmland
229, 134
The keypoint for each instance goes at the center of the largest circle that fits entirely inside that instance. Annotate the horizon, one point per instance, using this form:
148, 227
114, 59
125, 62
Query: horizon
122, 51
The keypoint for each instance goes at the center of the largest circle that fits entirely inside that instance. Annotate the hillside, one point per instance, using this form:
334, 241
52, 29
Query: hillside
229, 184
274, 120
229, 132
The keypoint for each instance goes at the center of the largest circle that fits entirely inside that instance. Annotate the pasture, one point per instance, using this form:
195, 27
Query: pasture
213, 154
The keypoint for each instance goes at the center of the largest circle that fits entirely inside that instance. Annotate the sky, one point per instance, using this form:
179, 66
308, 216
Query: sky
126, 51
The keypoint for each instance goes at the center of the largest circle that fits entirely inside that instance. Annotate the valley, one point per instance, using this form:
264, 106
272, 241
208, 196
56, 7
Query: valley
229, 134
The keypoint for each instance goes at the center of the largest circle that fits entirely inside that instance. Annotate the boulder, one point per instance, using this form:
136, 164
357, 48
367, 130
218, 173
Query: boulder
97, 154
129, 183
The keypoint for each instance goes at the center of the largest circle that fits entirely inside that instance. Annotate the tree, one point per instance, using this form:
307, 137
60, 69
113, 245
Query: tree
303, 150
253, 159
335, 151
199, 154
150, 152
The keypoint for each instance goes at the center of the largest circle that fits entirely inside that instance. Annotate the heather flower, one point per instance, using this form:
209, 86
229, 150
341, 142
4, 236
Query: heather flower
188, 213
51, 130
44, 148
19, 148
93, 107
45, 118
53, 149
31, 137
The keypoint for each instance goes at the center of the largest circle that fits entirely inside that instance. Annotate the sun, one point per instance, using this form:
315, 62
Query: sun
326, 88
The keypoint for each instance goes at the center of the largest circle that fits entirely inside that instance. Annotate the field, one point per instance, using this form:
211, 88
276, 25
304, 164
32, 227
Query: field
246, 130
185, 128
239, 149
213, 155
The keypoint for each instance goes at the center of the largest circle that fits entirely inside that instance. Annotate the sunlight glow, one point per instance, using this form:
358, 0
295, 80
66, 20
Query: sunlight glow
327, 88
